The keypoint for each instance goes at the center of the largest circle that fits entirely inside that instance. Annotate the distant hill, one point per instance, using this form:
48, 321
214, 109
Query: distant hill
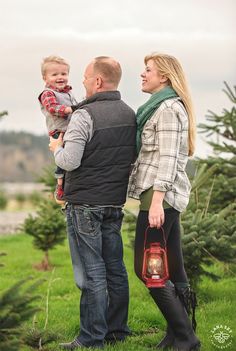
23, 156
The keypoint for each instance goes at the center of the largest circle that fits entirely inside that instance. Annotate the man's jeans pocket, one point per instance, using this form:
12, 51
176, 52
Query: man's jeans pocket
87, 221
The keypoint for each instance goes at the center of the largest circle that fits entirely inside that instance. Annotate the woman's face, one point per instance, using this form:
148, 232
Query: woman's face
152, 80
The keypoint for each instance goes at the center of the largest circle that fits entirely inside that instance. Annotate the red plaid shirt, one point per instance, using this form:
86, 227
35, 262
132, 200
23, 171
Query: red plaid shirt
49, 101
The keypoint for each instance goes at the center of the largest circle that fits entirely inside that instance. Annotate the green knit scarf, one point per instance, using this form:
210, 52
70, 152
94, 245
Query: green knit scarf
146, 110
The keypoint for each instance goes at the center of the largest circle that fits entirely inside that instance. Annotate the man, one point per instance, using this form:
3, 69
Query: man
99, 147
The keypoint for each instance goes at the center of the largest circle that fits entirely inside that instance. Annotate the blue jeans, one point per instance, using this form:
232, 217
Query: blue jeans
97, 257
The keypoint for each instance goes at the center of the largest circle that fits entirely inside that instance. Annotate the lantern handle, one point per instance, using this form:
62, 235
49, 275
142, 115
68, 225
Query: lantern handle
163, 233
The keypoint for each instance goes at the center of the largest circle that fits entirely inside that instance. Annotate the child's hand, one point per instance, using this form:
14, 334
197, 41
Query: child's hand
55, 143
68, 110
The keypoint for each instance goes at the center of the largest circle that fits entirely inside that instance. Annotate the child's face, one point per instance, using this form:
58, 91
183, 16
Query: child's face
56, 75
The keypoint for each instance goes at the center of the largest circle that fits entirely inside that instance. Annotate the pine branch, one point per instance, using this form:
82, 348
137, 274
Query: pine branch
16, 306
222, 126
228, 91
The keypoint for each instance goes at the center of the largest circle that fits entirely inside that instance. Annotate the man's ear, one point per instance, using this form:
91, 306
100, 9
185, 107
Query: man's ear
99, 82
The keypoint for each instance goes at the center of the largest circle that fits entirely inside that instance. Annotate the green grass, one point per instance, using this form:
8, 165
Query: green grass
216, 299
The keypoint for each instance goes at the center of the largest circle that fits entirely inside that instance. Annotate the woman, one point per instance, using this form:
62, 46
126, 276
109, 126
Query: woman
165, 139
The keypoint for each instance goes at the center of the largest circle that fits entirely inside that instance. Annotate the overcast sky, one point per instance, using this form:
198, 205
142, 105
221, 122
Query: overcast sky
201, 34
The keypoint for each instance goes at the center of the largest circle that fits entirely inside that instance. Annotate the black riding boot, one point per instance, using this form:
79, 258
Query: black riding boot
168, 339
189, 300
177, 318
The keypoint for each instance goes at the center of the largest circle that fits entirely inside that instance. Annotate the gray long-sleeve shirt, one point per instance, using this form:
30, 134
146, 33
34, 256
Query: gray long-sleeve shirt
78, 133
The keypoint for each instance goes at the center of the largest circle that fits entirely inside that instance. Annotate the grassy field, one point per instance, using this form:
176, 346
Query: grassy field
216, 299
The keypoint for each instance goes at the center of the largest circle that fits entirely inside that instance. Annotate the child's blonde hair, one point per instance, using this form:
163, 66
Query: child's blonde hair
52, 59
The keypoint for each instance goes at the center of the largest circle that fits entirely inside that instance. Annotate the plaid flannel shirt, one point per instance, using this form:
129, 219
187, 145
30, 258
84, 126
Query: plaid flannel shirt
163, 156
49, 101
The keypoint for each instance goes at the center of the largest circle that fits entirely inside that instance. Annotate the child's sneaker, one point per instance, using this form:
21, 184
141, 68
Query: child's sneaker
58, 195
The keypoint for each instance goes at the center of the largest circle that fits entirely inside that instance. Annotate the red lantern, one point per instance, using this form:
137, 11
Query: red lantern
155, 267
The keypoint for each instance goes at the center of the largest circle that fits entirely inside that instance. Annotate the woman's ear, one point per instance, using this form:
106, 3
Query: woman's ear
163, 79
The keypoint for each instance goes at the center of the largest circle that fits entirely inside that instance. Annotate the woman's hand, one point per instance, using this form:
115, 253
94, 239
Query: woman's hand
156, 215
55, 143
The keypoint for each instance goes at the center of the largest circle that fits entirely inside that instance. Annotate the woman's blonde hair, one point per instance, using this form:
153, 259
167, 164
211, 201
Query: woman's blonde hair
52, 59
169, 67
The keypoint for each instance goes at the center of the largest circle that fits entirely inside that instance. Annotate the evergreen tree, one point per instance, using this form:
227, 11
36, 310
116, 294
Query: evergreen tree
223, 183
38, 337
223, 126
209, 224
48, 178
16, 306
208, 238
48, 229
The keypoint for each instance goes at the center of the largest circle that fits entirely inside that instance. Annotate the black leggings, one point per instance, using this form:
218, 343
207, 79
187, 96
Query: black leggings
174, 250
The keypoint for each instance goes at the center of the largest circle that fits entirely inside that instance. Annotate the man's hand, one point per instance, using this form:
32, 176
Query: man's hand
55, 143
68, 110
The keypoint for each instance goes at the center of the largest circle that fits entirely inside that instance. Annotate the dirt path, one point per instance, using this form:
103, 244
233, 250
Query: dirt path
10, 221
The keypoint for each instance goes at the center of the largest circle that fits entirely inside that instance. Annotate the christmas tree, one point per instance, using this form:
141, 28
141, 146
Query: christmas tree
16, 306
48, 229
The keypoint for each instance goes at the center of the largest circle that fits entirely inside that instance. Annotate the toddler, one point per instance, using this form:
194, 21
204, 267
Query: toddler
56, 101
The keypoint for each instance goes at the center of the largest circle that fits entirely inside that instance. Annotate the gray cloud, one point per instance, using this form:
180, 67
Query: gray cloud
201, 34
